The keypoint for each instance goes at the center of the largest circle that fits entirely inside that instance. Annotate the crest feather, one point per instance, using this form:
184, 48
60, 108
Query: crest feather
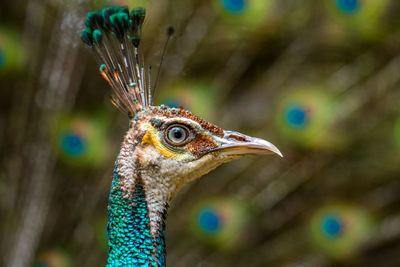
114, 34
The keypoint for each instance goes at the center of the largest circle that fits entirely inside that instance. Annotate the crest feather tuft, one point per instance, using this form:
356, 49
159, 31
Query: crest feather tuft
114, 34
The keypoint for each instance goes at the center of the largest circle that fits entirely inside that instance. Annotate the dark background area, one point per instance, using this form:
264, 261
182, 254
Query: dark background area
319, 79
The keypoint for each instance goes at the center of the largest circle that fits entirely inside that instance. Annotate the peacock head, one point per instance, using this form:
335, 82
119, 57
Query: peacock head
165, 148
169, 147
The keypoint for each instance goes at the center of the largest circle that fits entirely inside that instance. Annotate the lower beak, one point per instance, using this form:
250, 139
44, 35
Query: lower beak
235, 143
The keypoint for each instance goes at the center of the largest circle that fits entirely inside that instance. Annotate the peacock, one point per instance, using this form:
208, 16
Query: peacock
163, 149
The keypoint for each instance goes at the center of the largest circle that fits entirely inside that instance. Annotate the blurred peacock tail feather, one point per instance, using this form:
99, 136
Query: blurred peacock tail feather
80, 140
340, 230
12, 54
306, 117
309, 116
243, 13
219, 221
363, 18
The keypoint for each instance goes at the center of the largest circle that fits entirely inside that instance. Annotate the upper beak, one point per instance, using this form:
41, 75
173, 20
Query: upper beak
235, 143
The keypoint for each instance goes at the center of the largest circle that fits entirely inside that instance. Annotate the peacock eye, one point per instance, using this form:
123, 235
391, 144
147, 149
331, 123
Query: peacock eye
177, 135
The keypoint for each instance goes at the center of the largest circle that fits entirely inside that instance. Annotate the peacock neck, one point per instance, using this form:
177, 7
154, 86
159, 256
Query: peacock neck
133, 241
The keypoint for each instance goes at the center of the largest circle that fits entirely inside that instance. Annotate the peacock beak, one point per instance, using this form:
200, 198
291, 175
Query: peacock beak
235, 143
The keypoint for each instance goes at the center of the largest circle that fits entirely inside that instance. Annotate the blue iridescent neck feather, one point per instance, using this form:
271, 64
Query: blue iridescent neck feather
131, 242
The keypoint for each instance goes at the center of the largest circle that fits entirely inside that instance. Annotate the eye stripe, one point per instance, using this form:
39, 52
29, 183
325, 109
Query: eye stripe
151, 137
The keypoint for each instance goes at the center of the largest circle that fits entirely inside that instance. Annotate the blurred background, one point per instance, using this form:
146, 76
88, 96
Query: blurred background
319, 79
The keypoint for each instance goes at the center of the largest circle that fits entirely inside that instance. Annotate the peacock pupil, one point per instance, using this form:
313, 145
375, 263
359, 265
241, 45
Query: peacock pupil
177, 134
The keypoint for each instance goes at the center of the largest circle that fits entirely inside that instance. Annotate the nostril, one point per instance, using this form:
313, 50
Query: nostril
238, 138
